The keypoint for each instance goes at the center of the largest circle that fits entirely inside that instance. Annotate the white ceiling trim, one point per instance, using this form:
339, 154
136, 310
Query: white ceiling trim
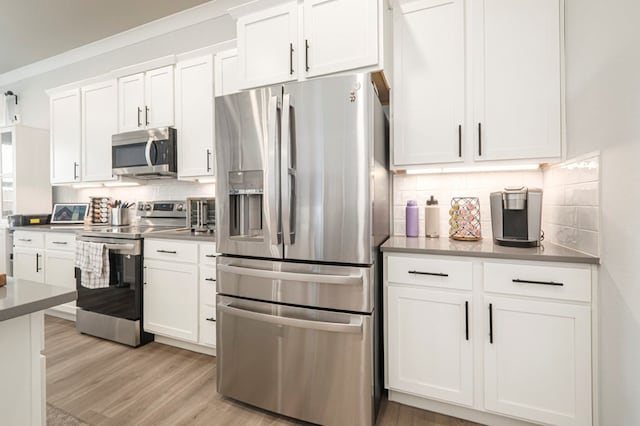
195, 15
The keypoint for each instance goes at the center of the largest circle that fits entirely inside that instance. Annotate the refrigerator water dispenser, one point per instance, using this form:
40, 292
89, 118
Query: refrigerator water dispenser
245, 203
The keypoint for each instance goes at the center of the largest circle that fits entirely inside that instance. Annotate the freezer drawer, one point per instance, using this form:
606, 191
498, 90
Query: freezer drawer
320, 286
309, 364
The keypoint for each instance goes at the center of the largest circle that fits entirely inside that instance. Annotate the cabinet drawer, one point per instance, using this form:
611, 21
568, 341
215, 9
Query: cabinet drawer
208, 254
207, 335
431, 272
208, 286
541, 280
176, 251
28, 239
59, 241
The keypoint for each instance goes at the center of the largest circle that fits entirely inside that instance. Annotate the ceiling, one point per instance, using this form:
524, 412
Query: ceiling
31, 30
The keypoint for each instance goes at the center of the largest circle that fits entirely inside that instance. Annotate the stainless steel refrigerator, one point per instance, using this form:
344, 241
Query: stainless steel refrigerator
302, 200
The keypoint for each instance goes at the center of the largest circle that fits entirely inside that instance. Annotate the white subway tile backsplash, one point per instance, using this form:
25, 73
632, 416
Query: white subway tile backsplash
588, 218
582, 194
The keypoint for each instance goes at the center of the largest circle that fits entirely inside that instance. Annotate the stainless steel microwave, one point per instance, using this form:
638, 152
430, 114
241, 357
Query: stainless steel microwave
145, 154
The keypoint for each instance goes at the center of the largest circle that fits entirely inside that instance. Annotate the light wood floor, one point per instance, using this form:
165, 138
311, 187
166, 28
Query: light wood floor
105, 383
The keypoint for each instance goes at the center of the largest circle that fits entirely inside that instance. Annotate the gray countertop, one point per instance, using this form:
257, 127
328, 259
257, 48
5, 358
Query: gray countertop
72, 229
547, 252
22, 297
177, 234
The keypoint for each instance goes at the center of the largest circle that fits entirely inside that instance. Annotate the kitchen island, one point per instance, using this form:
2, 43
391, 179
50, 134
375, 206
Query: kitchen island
22, 365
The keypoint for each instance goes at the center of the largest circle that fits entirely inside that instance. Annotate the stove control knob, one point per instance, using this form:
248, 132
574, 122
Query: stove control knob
180, 207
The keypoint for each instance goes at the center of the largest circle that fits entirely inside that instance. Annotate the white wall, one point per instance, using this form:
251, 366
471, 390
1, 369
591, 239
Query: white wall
603, 113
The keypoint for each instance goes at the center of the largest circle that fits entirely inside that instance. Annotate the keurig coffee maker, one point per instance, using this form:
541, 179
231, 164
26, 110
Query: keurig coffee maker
516, 215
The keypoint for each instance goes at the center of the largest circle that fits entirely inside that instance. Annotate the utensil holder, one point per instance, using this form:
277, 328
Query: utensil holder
119, 216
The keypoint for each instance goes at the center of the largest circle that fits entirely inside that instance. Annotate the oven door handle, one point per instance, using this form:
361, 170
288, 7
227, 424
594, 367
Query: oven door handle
355, 326
292, 276
147, 152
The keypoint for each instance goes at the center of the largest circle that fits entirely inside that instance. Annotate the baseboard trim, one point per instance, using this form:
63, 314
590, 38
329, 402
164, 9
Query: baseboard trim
206, 350
61, 314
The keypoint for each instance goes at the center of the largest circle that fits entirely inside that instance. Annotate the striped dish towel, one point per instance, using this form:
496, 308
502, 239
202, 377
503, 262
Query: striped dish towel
93, 261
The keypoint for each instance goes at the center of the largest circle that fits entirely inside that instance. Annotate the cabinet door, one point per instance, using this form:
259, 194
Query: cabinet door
429, 96
517, 79
226, 72
131, 102
339, 35
538, 367
28, 264
429, 344
99, 123
194, 117
158, 90
171, 300
60, 270
65, 136
267, 46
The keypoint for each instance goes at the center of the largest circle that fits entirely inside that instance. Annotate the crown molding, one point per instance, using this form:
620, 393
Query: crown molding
195, 15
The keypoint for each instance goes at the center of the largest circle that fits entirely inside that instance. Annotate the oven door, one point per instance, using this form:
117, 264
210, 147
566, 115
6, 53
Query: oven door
145, 152
314, 365
123, 297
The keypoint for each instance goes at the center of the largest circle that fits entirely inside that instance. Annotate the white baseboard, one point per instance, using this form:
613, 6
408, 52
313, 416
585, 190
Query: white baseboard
186, 345
455, 410
63, 311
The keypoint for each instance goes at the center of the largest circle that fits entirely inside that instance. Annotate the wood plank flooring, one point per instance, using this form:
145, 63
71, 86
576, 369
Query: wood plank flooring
105, 383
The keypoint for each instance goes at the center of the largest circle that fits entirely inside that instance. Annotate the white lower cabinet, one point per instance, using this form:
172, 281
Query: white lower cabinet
171, 299
529, 331
28, 264
430, 351
538, 361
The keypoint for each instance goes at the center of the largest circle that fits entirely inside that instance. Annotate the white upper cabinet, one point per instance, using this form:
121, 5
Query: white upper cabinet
339, 35
66, 142
146, 100
267, 46
194, 117
517, 78
227, 80
99, 123
429, 92
131, 102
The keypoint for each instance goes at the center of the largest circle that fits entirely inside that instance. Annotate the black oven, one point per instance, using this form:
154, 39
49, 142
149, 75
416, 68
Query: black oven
145, 154
115, 312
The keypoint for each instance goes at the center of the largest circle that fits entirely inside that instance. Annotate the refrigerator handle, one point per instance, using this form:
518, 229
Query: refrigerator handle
287, 170
273, 180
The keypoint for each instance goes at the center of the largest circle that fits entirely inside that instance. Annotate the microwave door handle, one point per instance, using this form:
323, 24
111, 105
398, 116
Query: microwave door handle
147, 152
285, 170
273, 184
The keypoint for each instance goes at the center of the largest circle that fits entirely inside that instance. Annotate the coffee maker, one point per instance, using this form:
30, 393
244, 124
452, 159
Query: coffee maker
516, 216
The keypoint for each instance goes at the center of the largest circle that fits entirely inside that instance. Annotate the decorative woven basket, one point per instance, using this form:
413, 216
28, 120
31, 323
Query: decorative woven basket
464, 219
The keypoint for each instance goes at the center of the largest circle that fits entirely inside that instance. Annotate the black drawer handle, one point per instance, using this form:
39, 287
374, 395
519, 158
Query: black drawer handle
516, 280
435, 274
209, 255
167, 251
210, 279
212, 319
26, 240
64, 243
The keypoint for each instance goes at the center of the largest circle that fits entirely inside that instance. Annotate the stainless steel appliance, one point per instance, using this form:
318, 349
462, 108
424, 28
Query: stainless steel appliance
145, 154
201, 214
115, 313
302, 206
516, 217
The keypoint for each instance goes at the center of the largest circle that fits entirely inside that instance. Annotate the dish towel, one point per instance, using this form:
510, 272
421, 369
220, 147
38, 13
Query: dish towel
93, 261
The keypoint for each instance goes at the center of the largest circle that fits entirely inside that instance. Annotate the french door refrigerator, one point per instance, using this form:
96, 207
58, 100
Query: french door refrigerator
302, 200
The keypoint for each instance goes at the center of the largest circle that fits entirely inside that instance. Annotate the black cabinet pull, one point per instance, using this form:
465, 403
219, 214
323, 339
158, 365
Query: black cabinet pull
208, 160
146, 115
306, 55
290, 58
37, 262
75, 170
210, 279
466, 320
60, 242
491, 323
209, 255
167, 251
139, 119
460, 140
517, 280
479, 139
435, 274
212, 319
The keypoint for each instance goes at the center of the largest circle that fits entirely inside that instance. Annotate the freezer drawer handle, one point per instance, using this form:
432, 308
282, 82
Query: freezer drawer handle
355, 326
519, 281
435, 274
292, 276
